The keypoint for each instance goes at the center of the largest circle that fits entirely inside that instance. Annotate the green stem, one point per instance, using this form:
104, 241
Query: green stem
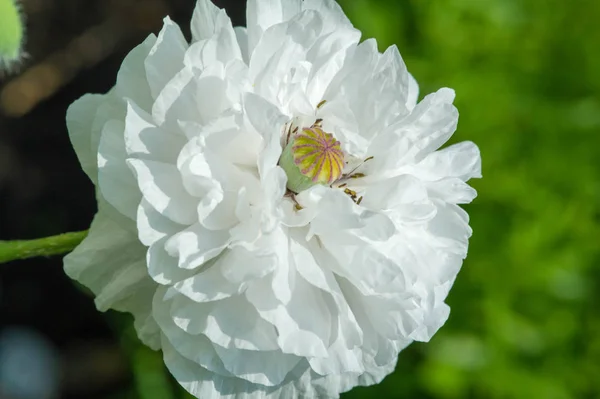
47, 246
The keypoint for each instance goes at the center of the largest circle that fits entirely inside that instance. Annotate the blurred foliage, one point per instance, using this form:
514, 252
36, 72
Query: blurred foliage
525, 320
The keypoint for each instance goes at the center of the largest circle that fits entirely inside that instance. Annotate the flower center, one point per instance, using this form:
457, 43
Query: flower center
318, 155
312, 157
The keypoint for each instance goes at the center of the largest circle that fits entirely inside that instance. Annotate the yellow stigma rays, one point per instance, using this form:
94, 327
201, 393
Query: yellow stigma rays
318, 155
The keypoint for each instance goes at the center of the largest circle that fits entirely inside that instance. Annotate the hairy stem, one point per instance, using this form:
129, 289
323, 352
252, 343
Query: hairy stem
47, 246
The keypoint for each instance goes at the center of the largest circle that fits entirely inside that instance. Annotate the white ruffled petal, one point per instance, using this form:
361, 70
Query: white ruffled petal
217, 47
196, 348
230, 323
165, 57
115, 181
205, 384
461, 160
262, 367
451, 226
267, 121
153, 225
327, 56
162, 267
196, 245
132, 82
430, 124
97, 248
262, 14
332, 13
204, 20
110, 263
210, 285
452, 190
255, 266
412, 97
242, 38
177, 101
267, 368
435, 315
346, 257
128, 279
392, 193
388, 316
274, 68
161, 185
302, 324
144, 140
80, 117
346, 335
351, 83
338, 213
198, 180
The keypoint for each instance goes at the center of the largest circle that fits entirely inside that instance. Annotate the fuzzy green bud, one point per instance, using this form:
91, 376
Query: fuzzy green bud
11, 33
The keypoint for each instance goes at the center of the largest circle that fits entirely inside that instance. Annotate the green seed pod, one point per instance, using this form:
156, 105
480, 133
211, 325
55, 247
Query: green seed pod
310, 158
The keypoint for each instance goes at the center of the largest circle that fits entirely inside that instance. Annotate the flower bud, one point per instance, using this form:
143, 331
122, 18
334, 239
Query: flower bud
11, 34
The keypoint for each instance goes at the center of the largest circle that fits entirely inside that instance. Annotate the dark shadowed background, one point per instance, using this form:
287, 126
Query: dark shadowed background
525, 319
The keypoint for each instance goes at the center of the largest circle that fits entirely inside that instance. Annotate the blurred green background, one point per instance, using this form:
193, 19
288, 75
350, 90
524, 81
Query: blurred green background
525, 321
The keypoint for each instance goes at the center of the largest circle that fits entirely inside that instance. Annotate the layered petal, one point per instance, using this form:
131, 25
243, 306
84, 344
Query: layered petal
110, 262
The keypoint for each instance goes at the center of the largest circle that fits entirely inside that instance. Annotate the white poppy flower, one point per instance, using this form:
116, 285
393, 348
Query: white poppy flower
273, 207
